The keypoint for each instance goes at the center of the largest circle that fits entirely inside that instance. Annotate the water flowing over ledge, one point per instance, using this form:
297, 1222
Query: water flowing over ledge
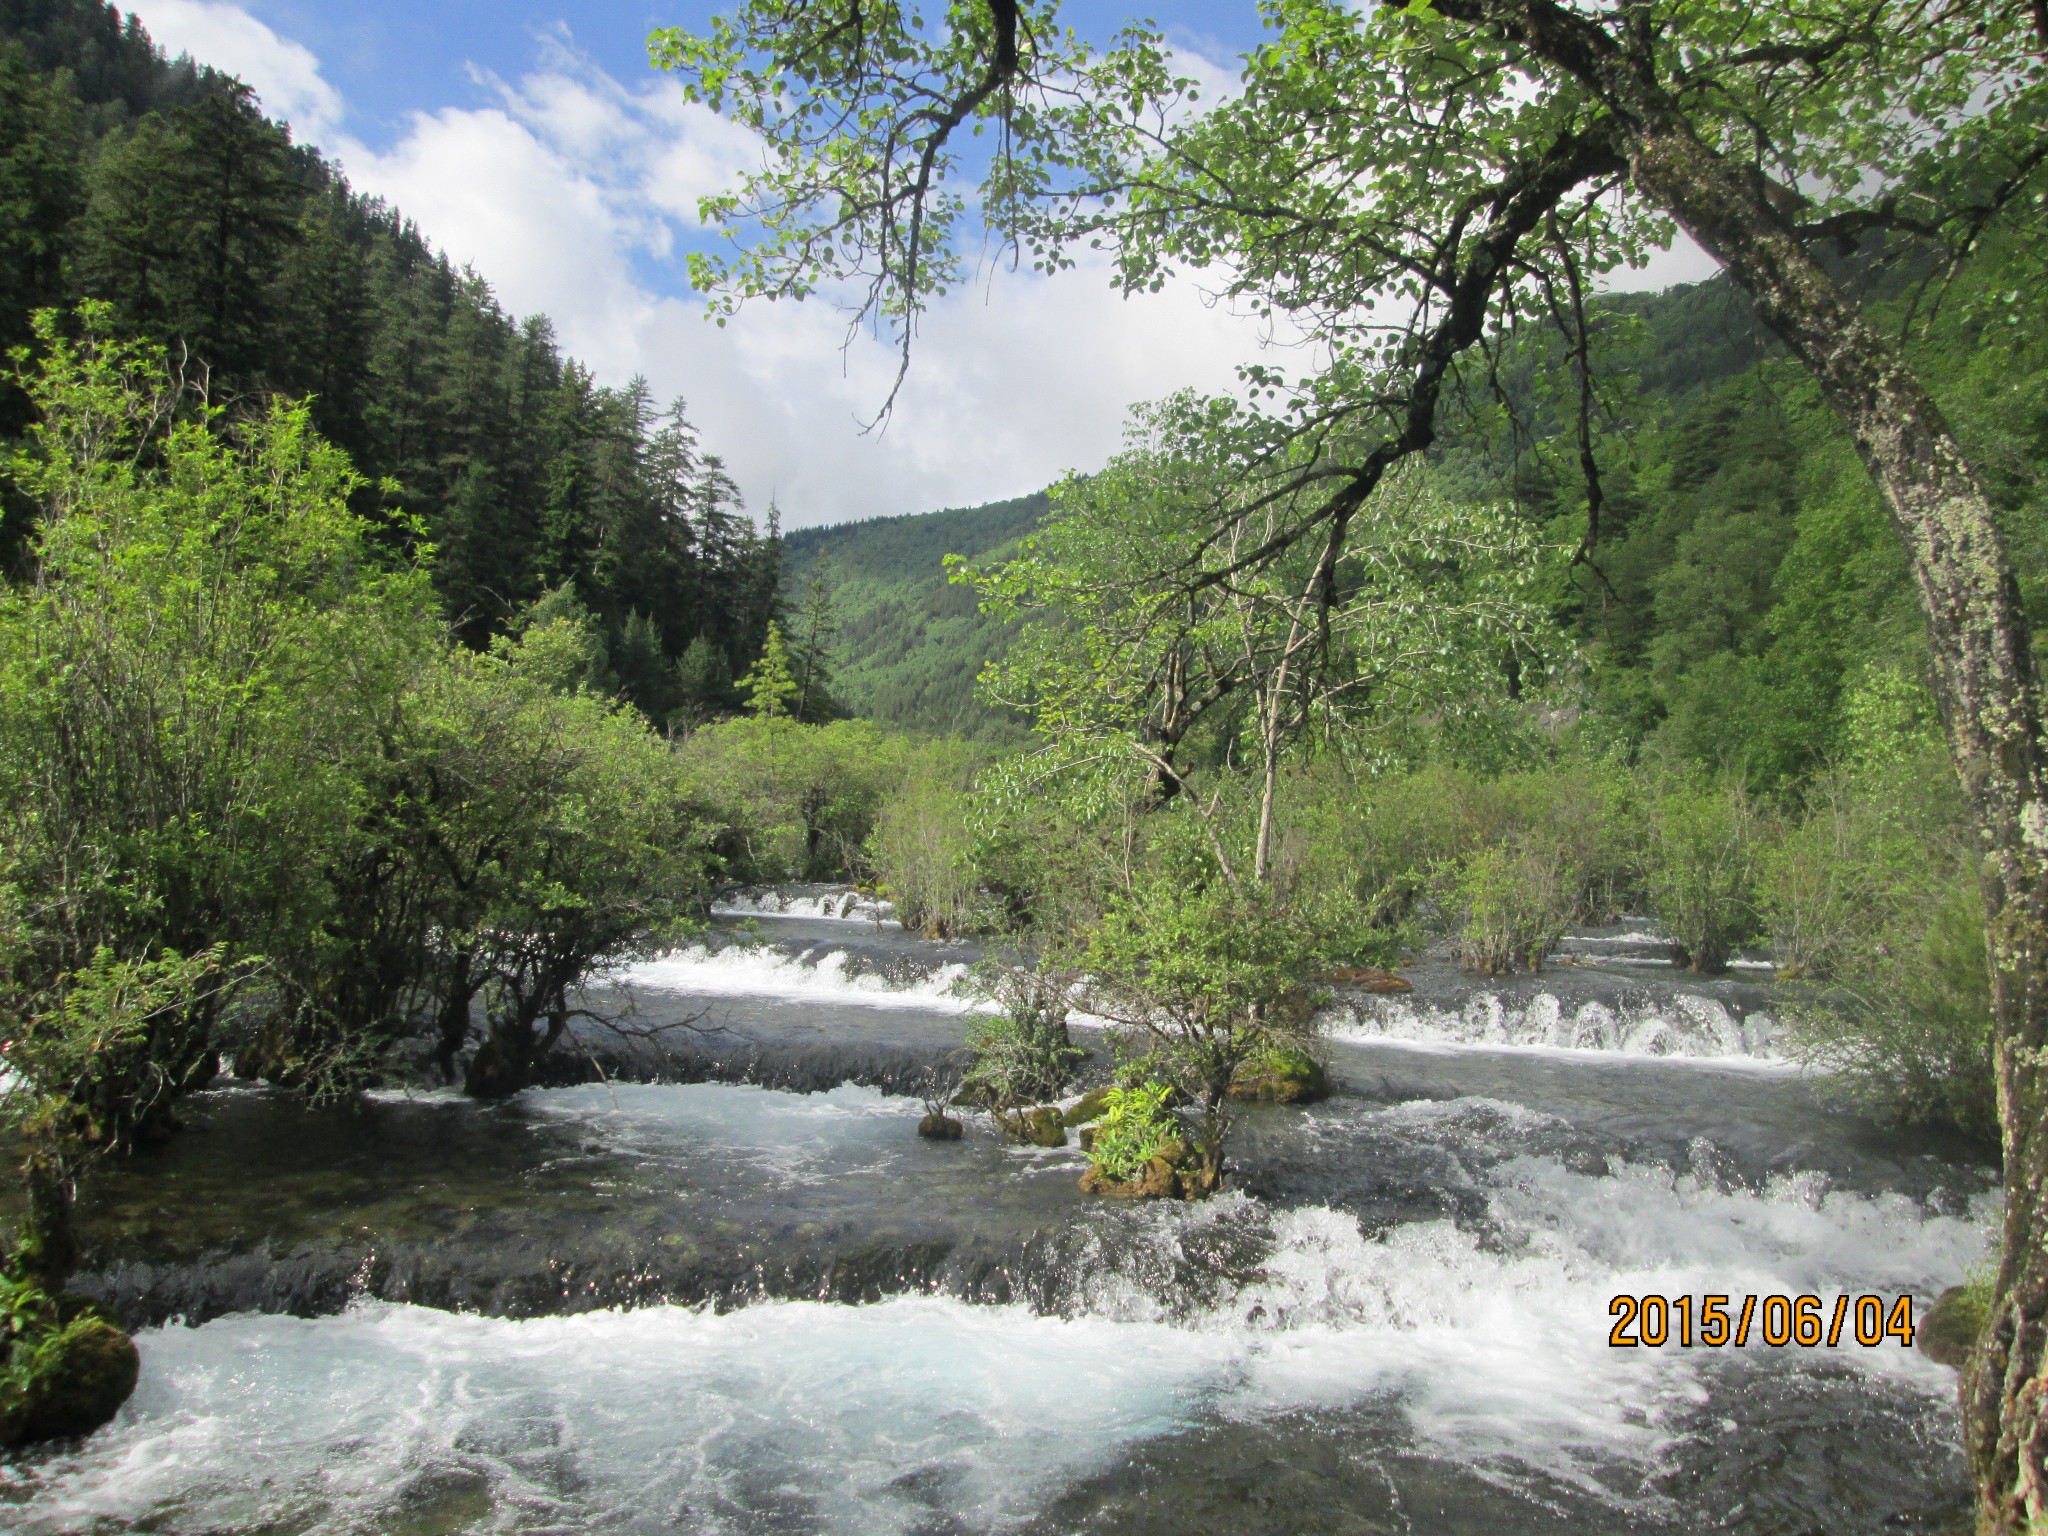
721, 1307
1675, 1024
817, 973
1475, 1344
831, 903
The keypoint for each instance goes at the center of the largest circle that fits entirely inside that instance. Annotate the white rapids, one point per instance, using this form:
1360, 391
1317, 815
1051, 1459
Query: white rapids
1490, 1347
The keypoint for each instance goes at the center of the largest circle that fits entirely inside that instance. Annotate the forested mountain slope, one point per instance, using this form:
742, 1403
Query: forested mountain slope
909, 644
1745, 604
158, 189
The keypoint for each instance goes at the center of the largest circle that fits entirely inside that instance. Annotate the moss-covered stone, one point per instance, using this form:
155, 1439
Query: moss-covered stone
1282, 1075
1090, 1108
1170, 1174
1949, 1329
940, 1127
1040, 1127
68, 1381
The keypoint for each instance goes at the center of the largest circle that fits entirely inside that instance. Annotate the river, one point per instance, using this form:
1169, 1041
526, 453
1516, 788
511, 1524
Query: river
749, 1299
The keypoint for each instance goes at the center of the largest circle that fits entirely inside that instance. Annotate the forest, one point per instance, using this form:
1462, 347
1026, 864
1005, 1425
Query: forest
387, 704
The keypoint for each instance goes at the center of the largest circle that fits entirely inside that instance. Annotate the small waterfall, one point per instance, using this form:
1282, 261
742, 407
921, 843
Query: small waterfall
1643, 1023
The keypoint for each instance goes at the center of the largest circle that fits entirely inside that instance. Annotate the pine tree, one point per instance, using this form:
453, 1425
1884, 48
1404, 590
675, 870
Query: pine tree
703, 682
768, 685
818, 626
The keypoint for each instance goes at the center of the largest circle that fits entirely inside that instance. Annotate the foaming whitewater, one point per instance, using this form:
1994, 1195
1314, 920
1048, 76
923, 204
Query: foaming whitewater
817, 975
836, 904
1484, 1341
1681, 1025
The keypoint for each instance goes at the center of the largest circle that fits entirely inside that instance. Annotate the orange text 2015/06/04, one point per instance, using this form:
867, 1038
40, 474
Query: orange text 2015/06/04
1715, 1321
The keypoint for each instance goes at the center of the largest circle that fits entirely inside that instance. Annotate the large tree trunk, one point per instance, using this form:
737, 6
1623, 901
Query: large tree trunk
1984, 679
1985, 685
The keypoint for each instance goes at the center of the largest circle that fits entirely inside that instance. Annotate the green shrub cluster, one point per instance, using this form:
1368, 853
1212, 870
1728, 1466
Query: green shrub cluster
1860, 883
1023, 1054
1135, 1125
256, 806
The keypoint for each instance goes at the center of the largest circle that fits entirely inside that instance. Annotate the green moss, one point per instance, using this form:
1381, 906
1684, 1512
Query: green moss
1282, 1074
64, 1376
1949, 1329
1091, 1108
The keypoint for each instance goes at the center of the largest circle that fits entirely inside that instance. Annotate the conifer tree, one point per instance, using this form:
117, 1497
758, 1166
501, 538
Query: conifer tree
818, 626
769, 686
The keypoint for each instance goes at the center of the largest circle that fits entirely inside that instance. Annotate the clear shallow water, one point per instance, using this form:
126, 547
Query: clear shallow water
1398, 1322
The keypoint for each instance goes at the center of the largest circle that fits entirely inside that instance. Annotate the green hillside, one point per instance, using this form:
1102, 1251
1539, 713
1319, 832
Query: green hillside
910, 645
1746, 604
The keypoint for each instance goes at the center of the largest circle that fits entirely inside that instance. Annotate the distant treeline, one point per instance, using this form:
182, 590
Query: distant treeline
159, 187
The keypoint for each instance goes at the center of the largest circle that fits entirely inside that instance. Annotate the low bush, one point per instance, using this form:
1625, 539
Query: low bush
1700, 854
1022, 1055
921, 851
1912, 1033
1508, 904
1201, 977
1136, 1125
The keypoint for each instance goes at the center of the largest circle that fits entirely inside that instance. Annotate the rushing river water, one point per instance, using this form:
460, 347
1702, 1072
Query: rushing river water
724, 1305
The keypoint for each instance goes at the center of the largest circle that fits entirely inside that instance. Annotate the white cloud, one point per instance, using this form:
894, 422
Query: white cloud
284, 74
571, 195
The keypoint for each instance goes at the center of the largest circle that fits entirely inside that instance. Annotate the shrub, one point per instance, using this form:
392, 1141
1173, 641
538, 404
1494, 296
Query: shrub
1700, 867
1134, 1128
1023, 1054
921, 850
791, 801
1204, 977
1511, 902
1913, 1033
1873, 854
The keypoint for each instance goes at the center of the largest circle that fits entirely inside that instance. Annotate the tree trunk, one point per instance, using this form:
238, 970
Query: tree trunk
48, 1249
1988, 694
1269, 783
452, 1028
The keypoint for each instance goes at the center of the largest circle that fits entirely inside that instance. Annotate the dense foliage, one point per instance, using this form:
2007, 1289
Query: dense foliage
256, 805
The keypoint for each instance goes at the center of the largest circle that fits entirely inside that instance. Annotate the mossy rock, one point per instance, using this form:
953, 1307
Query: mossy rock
1040, 1127
1091, 1107
74, 1379
1949, 1329
1170, 1174
1281, 1077
939, 1127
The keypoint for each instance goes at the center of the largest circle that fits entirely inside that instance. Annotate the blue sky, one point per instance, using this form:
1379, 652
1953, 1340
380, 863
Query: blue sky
390, 59
534, 143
